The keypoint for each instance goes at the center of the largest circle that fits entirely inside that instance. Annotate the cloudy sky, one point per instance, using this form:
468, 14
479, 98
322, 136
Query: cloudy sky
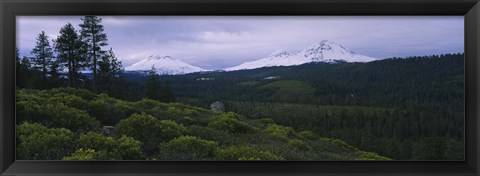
223, 41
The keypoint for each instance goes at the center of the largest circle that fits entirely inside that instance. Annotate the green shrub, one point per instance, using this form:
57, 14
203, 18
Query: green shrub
150, 130
280, 131
70, 100
36, 142
173, 110
211, 134
82, 154
188, 148
146, 104
185, 120
230, 125
309, 135
265, 121
108, 148
302, 145
233, 115
83, 93
343, 144
129, 148
370, 156
190, 112
97, 141
104, 109
55, 115
245, 153
60, 115
28, 110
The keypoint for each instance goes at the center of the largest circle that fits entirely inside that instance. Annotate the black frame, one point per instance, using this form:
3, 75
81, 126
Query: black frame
10, 8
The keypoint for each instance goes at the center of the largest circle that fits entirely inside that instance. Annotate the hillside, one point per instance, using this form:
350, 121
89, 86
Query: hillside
403, 108
75, 124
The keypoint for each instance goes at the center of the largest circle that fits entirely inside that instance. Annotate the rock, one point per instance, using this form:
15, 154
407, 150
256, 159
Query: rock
108, 130
218, 106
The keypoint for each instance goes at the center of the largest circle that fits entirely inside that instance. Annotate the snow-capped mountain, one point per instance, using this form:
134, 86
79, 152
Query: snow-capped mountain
325, 51
164, 65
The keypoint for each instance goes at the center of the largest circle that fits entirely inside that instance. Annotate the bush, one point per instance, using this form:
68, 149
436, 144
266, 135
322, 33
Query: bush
60, 115
343, 144
173, 110
97, 141
129, 148
309, 135
83, 93
55, 114
109, 110
82, 154
108, 148
185, 120
211, 134
370, 156
150, 130
36, 142
302, 145
279, 131
230, 125
245, 153
70, 100
265, 121
233, 115
188, 148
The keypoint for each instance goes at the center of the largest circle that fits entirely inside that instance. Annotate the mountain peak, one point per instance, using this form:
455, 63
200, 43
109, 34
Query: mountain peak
326, 45
324, 51
158, 57
164, 65
279, 53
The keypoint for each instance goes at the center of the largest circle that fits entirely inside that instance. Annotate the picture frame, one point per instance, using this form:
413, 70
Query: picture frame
470, 9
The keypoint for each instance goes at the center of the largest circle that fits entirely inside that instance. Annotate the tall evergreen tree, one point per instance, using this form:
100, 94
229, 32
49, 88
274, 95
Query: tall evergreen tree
69, 47
54, 80
43, 56
94, 37
116, 65
152, 87
110, 71
18, 70
167, 93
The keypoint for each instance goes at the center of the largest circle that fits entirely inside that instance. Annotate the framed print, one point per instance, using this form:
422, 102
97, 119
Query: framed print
239, 87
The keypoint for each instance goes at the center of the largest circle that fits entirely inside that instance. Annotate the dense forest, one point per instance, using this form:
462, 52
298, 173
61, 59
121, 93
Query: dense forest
403, 108
75, 102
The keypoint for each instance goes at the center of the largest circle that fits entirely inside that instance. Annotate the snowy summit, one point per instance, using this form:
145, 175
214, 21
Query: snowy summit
325, 51
165, 65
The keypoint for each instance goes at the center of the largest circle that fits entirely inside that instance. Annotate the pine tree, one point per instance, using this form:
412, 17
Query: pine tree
110, 71
167, 93
94, 37
152, 87
43, 56
55, 80
104, 76
117, 75
116, 65
20, 79
69, 48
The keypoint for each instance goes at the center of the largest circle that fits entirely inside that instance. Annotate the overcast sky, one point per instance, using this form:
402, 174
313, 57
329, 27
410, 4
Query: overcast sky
224, 41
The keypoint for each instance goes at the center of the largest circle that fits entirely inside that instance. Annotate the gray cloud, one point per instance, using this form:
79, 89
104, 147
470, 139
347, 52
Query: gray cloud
219, 42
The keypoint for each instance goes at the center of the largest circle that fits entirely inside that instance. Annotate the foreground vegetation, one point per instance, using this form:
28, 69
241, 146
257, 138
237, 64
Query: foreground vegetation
66, 123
